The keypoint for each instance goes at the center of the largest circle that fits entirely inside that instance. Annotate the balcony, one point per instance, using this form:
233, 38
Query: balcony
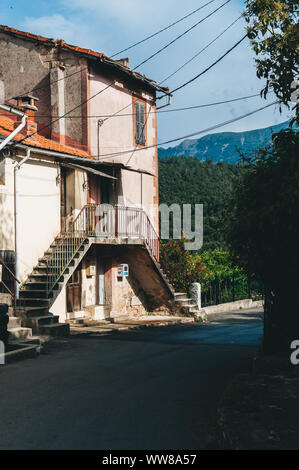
99, 223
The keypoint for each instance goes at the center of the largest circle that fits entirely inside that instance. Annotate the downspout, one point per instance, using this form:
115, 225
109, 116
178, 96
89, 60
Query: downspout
16, 217
18, 129
100, 122
167, 104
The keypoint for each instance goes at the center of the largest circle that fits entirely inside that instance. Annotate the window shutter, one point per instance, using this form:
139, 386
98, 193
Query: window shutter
139, 122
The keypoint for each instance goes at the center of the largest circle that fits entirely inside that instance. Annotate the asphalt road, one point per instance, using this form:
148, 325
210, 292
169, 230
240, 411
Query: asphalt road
148, 389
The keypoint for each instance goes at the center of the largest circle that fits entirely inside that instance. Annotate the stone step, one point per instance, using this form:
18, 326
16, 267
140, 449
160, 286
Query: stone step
36, 311
33, 302
38, 321
180, 295
19, 333
119, 318
34, 293
35, 285
14, 322
183, 301
6, 299
55, 329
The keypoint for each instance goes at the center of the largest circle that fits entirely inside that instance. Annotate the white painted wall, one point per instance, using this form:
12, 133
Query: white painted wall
39, 210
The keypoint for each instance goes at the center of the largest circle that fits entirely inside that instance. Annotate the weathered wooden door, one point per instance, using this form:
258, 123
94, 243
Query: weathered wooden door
73, 292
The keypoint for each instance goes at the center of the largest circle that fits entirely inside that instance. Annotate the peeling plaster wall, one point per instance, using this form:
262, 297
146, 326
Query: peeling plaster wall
22, 69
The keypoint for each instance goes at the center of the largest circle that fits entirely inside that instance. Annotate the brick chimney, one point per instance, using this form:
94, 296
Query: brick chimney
125, 61
27, 104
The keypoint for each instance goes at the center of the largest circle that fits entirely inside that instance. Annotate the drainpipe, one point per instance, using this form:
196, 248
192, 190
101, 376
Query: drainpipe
100, 122
16, 216
167, 104
18, 129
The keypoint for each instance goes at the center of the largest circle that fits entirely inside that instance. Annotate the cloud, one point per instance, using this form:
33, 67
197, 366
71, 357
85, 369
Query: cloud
57, 26
109, 26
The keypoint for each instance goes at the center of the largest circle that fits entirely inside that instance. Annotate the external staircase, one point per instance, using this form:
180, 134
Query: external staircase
129, 230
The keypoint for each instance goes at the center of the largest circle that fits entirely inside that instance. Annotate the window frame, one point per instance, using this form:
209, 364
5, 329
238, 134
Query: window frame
136, 142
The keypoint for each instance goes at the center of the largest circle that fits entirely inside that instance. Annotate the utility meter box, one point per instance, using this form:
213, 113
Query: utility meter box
122, 271
125, 270
91, 270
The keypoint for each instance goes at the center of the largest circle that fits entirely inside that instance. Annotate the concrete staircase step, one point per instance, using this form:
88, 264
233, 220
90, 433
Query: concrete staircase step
38, 321
14, 322
119, 318
19, 333
55, 329
36, 311
183, 301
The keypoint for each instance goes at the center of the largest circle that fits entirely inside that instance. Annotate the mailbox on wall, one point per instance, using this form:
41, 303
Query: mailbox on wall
91, 270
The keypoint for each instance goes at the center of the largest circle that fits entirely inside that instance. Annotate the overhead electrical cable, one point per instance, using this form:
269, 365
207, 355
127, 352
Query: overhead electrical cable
200, 52
193, 134
180, 36
161, 30
162, 111
208, 68
112, 83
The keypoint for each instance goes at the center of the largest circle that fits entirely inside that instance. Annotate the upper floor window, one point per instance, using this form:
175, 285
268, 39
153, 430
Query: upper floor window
139, 116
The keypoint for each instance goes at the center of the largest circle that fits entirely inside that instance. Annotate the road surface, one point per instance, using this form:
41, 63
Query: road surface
154, 388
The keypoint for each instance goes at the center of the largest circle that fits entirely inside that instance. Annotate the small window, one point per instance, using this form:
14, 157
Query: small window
139, 122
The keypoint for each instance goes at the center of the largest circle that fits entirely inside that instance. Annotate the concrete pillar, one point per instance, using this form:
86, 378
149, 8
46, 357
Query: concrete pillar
196, 294
57, 104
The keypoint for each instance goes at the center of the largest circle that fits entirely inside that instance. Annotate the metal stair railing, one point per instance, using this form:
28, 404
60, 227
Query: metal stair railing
70, 242
12, 292
99, 221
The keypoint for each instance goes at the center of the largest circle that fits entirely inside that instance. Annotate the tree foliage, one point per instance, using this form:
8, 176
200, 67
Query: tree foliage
274, 33
263, 232
186, 180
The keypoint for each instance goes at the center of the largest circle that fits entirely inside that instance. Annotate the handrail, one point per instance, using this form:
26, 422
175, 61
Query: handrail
99, 221
12, 293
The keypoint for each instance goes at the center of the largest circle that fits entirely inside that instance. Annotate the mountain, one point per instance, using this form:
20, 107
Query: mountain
223, 146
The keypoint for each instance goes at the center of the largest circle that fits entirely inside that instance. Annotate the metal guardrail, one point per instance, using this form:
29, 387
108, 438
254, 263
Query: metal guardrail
101, 221
230, 289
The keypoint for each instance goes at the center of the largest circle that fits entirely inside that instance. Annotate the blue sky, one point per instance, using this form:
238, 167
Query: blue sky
111, 25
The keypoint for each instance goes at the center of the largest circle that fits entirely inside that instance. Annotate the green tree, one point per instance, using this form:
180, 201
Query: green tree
274, 33
263, 232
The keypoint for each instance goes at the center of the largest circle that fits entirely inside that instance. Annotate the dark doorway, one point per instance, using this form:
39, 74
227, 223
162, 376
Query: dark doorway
73, 292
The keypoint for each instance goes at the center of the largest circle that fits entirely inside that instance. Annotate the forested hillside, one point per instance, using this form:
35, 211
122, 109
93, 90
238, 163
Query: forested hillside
224, 146
186, 180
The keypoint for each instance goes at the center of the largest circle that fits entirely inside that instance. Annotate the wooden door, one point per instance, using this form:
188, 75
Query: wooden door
73, 292
94, 191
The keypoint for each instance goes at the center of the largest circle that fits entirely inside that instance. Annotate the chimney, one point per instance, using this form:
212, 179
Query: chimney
125, 62
27, 104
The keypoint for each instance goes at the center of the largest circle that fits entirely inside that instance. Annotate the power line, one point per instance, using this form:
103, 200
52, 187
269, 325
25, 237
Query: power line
186, 108
86, 68
181, 35
161, 30
108, 86
208, 68
51, 83
198, 53
217, 126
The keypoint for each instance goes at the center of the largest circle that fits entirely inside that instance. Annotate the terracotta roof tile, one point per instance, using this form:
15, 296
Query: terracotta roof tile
8, 125
79, 50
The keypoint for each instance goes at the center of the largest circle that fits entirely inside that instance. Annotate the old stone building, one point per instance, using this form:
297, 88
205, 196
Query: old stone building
78, 182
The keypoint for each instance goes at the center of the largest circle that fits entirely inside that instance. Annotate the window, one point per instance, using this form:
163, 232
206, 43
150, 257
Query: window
139, 122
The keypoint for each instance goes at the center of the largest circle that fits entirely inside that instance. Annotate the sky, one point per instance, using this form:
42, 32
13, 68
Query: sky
111, 25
